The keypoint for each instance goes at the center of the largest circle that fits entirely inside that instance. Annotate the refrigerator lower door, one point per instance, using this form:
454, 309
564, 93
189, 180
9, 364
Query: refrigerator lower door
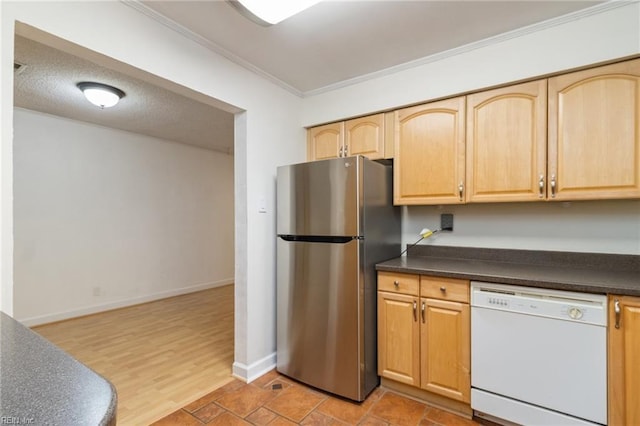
320, 336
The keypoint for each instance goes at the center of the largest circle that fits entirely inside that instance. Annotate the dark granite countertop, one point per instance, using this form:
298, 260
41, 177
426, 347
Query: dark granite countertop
583, 272
40, 384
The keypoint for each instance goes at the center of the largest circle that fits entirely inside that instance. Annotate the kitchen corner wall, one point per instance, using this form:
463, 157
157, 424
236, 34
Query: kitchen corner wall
606, 32
105, 218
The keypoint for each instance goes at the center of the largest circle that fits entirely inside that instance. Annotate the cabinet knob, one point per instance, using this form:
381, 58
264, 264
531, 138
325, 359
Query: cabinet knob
443, 289
396, 283
553, 186
541, 186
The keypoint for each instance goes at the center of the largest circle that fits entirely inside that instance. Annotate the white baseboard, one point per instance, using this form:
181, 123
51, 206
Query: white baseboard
248, 373
59, 316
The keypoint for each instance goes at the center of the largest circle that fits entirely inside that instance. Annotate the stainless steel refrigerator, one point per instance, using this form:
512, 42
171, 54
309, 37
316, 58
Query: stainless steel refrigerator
335, 221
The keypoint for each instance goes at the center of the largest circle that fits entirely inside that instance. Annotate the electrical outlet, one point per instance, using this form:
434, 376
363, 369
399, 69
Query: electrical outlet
446, 222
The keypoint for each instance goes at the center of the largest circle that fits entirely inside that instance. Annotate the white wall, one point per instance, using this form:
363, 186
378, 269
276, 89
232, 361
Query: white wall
584, 226
268, 134
604, 33
105, 218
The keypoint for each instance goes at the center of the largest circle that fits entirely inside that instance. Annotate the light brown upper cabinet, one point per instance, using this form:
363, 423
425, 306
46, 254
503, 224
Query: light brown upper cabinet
366, 136
325, 141
594, 140
359, 136
575, 136
429, 155
507, 143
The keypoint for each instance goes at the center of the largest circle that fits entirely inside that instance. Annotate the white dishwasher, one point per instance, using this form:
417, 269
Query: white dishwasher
538, 356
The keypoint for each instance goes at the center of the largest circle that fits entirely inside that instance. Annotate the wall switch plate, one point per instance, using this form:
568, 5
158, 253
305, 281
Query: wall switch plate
262, 205
446, 222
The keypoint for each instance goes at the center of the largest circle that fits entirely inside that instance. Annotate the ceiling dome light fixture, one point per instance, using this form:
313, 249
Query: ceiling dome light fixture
101, 95
270, 12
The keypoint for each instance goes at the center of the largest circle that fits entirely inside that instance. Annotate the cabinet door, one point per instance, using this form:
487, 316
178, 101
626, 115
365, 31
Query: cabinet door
398, 338
507, 143
325, 141
624, 361
445, 346
365, 136
594, 140
429, 153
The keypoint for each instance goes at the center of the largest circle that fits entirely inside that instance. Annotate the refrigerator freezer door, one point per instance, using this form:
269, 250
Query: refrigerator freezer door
319, 323
319, 198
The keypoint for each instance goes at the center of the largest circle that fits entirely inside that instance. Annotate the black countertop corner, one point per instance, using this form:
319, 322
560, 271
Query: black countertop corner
40, 384
572, 271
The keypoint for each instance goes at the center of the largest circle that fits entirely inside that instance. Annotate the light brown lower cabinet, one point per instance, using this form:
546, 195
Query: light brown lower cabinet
425, 341
444, 349
398, 338
624, 360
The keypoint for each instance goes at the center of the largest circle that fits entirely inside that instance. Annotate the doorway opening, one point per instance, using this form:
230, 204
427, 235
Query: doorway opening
130, 208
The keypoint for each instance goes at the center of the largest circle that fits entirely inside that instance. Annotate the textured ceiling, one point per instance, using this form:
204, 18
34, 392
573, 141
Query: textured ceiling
47, 83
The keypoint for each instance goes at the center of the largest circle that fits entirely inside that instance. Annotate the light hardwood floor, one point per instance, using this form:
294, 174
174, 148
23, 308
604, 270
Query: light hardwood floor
160, 355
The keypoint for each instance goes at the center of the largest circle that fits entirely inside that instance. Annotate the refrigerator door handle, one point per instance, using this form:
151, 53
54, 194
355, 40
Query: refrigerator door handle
317, 239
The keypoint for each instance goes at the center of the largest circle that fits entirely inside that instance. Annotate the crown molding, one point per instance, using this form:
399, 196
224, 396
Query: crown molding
500, 38
214, 47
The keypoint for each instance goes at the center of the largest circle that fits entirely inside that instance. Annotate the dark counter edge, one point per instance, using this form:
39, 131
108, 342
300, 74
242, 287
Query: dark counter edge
571, 271
46, 352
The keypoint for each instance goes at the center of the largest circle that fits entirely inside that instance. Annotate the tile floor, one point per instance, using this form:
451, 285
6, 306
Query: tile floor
275, 400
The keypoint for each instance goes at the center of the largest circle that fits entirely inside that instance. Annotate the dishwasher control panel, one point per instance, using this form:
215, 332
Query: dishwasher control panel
498, 301
556, 304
